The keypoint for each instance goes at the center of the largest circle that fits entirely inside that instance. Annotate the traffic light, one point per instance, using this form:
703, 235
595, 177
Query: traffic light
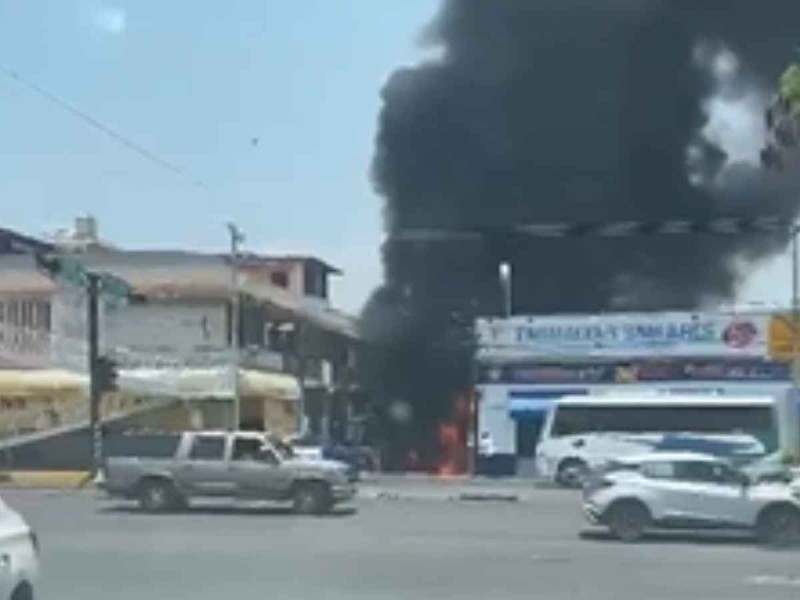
106, 374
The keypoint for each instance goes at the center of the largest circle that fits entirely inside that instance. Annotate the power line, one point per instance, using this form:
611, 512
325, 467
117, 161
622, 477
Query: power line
91, 121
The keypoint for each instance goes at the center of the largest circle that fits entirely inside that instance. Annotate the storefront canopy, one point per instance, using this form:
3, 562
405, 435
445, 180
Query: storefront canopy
177, 383
190, 384
29, 383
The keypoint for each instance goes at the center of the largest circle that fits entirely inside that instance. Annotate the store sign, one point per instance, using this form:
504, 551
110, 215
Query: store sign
784, 337
620, 373
626, 335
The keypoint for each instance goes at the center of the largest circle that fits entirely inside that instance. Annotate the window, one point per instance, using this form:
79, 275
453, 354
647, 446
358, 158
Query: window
695, 471
208, 447
571, 420
247, 448
13, 312
315, 281
27, 314
659, 470
280, 279
268, 457
705, 472
43, 315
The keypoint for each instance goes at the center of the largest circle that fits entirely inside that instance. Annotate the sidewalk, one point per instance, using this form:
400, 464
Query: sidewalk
459, 488
43, 479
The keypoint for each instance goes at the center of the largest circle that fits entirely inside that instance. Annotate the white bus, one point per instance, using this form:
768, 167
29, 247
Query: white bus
583, 432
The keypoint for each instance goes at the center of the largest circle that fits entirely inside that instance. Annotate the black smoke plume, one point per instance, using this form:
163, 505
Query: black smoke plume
565, 110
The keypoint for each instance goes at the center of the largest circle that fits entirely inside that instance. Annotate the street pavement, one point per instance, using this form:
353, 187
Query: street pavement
401, 546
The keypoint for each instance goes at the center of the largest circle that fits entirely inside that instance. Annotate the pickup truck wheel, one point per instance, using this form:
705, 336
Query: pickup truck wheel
628, 520
779, 526
157, 496
312, 499
571, 472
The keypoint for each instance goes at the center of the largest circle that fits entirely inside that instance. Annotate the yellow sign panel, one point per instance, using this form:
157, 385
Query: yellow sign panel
783, 337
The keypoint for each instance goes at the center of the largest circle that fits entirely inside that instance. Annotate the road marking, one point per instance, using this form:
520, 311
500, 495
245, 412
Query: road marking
549, 559
774, 580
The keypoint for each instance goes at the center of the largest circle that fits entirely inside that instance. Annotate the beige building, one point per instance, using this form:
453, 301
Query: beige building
173, 348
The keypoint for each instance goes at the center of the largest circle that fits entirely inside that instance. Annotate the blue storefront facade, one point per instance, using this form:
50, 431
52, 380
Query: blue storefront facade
524, 364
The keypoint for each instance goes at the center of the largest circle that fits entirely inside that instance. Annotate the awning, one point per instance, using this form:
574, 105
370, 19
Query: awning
263, 383
532, 403
196, 384
40, 382
176, 383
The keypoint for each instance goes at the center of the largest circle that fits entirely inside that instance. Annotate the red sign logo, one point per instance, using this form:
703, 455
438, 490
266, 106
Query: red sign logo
739, 334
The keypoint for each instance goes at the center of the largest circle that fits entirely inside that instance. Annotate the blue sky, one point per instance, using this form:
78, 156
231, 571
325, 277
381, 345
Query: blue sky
194, 82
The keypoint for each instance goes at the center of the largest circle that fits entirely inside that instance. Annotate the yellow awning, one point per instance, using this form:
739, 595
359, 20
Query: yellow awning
262, 383
182, 383
40, 382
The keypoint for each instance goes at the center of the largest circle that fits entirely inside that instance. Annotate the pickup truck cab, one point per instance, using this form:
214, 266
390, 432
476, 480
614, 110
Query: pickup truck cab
233, 465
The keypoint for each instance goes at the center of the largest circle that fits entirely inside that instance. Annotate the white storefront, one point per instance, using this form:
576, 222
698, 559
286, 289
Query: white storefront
525, 363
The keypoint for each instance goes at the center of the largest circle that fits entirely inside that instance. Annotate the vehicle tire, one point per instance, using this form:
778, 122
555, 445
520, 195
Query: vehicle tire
779, 526
312, 498
628, 520
24, 591
571, 472
157, 495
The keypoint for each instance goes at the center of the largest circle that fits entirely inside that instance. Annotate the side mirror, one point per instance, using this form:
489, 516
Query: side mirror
266, 455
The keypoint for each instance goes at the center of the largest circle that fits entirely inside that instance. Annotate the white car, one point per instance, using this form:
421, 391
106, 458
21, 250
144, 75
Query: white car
685, 490
18, 556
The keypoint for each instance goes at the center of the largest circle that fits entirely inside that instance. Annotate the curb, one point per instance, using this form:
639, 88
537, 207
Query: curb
490, 497
455, 496
44, 479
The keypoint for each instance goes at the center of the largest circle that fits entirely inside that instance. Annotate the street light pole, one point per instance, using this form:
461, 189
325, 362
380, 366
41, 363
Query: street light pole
237, 237
505, 284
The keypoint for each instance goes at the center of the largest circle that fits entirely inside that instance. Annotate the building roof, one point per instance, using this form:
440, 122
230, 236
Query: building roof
266, 259
178, 275
12, 242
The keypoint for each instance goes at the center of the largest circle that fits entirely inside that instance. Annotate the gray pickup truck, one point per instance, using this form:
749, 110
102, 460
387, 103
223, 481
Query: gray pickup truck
235, 465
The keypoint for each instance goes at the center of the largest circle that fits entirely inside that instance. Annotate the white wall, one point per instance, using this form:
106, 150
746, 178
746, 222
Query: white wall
190, 332
493, 417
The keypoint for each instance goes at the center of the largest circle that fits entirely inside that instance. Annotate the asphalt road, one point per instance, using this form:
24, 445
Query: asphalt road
384, 549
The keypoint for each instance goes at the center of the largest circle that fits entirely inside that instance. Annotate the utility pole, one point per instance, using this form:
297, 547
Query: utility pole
102, 370
95, 392
793, 442
237, 237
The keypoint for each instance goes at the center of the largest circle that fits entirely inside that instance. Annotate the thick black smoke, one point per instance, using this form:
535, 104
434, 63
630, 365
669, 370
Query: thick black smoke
565, 110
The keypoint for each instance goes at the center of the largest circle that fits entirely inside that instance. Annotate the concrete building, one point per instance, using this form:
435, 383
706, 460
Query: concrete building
526, 363
297, 356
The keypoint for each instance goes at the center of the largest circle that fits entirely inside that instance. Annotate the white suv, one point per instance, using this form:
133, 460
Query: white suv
18, 556
689, 491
